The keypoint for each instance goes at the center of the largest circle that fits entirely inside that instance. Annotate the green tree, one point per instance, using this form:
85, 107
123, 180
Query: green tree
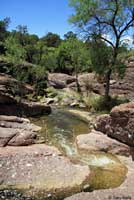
3, 33
3, 28
49, 59
64, 58
30, 47
40, 49
21, 33
74, 52
110, 21
26, 40
52, 40
14, 50
69, 35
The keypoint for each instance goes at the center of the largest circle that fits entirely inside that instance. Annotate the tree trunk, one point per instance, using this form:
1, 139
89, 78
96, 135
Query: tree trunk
107, 86
77, 84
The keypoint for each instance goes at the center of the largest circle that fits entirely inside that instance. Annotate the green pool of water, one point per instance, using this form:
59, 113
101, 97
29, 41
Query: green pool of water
60, 129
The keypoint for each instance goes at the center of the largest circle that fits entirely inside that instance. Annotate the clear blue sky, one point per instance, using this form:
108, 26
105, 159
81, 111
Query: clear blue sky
41, 16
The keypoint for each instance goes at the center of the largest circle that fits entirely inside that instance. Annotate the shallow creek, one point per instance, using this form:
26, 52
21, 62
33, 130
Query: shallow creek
60, 129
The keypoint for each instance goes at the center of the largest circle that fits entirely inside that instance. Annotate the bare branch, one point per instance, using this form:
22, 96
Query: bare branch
108, 41
114, 17
128, 25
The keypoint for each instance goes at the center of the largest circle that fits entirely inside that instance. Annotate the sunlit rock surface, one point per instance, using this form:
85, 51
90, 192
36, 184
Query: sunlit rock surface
16, 131
97, 141
39, 170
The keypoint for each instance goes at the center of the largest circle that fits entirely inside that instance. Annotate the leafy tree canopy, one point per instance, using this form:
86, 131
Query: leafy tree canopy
3, 28
73, 54
52, 40
69, 35
105, 18
14, 50
109, 21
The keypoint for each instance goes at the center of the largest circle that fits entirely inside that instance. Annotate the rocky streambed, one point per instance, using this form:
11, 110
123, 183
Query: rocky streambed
75, 164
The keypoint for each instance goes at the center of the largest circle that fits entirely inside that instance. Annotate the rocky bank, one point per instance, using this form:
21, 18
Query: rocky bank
41, 171
89, 82
16, 131
13, 101
119, 124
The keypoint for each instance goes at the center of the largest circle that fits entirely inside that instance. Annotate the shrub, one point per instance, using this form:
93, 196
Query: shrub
99, 103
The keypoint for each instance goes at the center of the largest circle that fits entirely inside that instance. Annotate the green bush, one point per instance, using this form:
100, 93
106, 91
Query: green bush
26, 73
51, 92
39, 76
99, 103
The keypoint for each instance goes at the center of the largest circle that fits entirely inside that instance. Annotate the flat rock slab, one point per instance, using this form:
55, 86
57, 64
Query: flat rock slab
125, 191
97, 141
39, 170
83, 115
16, 131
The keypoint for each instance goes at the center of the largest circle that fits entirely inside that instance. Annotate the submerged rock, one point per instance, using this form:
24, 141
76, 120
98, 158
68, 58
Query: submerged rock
97, 141
40, 170
119, 124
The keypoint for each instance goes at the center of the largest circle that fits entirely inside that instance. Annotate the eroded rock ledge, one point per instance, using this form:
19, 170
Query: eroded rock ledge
16, 131
13, 101
119, 124
27, 109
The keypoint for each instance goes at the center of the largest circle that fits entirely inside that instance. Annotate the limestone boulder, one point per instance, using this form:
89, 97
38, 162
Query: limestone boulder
31, 109
119, 87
